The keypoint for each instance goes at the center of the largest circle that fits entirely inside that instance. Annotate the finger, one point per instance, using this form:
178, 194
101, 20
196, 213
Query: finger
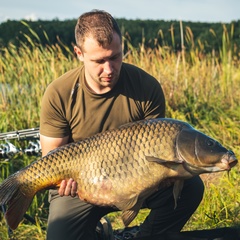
68, 188
74, 189
62, 187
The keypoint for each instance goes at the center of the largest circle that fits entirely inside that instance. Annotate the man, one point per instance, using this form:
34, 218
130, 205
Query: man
104, 94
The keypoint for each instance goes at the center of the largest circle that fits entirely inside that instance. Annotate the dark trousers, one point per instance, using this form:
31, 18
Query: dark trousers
72, 219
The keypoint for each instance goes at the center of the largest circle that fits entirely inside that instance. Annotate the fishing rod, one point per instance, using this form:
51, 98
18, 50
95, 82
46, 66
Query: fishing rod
8, 149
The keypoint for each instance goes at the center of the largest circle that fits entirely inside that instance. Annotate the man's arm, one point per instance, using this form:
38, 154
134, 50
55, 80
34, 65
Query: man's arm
47, 144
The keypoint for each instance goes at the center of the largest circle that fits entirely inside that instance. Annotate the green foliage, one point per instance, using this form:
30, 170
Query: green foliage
220, 207
152, 32
201, 88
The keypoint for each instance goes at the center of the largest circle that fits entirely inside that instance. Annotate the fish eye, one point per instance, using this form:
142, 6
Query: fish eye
210, 142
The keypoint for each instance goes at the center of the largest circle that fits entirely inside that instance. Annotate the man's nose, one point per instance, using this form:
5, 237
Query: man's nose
108, 67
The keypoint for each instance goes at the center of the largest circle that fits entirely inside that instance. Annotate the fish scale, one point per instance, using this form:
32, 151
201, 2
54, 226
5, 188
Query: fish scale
119, 168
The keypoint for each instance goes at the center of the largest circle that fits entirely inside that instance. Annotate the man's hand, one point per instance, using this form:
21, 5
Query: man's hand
68, 188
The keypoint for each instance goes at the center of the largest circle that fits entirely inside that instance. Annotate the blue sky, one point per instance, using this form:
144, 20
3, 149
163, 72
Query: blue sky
186, 10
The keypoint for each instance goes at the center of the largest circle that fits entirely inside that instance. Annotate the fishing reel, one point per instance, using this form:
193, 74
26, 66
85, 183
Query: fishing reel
8, 150
34, 148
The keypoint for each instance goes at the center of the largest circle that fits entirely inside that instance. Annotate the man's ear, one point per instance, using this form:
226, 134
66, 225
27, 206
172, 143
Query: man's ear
79, 53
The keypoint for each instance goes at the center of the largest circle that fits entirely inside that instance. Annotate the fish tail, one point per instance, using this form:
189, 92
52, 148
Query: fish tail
17, 203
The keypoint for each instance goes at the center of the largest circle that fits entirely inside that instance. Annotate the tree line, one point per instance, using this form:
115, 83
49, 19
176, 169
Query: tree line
151, 33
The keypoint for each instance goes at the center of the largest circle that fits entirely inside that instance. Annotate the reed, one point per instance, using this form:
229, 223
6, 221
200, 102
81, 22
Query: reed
203, 89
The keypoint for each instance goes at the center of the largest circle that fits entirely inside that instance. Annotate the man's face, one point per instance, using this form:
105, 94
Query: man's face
102, 64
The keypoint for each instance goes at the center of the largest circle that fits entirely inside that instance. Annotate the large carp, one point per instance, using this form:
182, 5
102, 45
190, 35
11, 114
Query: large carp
119, 168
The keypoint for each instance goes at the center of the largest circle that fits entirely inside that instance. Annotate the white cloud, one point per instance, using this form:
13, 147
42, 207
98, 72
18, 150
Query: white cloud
31, 17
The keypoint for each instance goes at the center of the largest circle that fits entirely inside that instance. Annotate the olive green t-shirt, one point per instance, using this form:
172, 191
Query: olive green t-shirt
69, 108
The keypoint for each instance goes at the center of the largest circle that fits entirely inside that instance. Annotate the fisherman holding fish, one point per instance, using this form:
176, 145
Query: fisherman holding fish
104, 94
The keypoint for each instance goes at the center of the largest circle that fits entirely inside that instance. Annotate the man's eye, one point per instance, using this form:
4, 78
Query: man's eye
115, 57
100, 61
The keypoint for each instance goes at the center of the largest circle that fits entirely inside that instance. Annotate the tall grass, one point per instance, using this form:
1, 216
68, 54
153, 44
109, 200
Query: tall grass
203, 89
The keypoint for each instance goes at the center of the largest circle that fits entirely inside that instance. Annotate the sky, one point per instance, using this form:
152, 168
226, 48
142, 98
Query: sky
186, 10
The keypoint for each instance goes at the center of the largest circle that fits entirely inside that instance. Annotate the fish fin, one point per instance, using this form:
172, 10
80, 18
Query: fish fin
127, 124
129, 215
122, 205
177, 188
161, 161
16, 201
57, 185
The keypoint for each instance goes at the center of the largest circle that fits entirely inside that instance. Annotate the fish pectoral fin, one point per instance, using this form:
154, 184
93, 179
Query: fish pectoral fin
162, 161
129, 215
127, 204
177, 189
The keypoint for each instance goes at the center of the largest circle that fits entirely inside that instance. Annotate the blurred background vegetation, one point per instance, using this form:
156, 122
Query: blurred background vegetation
152, 32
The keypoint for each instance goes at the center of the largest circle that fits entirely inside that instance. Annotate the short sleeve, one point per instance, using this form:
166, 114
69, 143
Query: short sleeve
155, 105
53, 121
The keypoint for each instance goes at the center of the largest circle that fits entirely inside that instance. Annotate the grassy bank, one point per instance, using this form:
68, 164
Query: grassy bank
201, 89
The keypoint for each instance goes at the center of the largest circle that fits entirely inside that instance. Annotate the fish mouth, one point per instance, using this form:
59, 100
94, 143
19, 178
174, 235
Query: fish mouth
229, 161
